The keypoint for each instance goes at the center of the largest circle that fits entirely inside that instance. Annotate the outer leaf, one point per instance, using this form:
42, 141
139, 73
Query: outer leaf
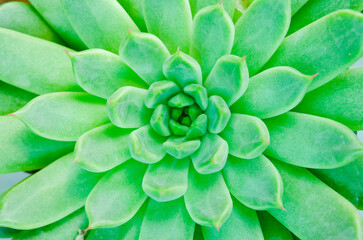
31, 75
170, 20
63, 116
228, 78
314, 9
314, 215
66, 228
117, 197
160, 224
101, 73
145, 54
340, 100
310, 141
62, 183
13, 98
166, 180
102, 148
53, 13
242, 224
134, 9
296, 5
256, 182
207, 199
126, 108
329, 48
99, 23
7, 232
273, 92
346, 180
22, 150
247, 136
273, 229
22, 17
211, 39
197, 5
258, 36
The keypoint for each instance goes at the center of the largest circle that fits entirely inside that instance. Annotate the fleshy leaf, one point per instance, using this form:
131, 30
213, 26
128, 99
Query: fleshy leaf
197, 5
273, 229
146, 145
102, 148
211, 155
63, 116
134, 9
101, 73
159, 223
243, 222
339, 100
211, 39
180, 148
323, 47
181, 100
160, 120
166, 180
257, 36
207, 199
346, 180
31, 75
62, 183
199, 93
8, 232
247, 136
194, 111
170, 20
22, 150
177, 128
218, 114
182, 69
305, 211
273, 92
160, 92
145, 54
198, 128
312, 142
122, 191
296, 5
99, 23
22, 17
255, 182
126, 108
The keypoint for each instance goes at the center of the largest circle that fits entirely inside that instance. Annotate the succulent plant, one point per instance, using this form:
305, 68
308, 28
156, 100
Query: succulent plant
176, 119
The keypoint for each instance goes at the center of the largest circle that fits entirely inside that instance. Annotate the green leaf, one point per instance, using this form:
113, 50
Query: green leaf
169, 20
63, 116
62, 183
273, 229
99, 23
160, 224
166, 180
305, 211
296, 5
207, 199
228, 78
22, 150
160, 92
315, 9
273, 92
211, 155
65, 228
126, 108
257, 36
177, 128
102, 148
255, 182
146, 145
346, 180
312, 142
160, 120
218, 114
145, 54
31, 75
323, 47
247, 136
242, 222
197, 5
13, 98
182, 69
22, 17
339, 100
199, 93
211, 39
180, 100
7, 232
134, 9
180, 148
198, 128
101, 73
117, 196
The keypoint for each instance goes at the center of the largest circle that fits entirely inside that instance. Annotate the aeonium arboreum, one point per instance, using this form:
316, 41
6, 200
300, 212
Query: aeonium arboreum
179, 119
